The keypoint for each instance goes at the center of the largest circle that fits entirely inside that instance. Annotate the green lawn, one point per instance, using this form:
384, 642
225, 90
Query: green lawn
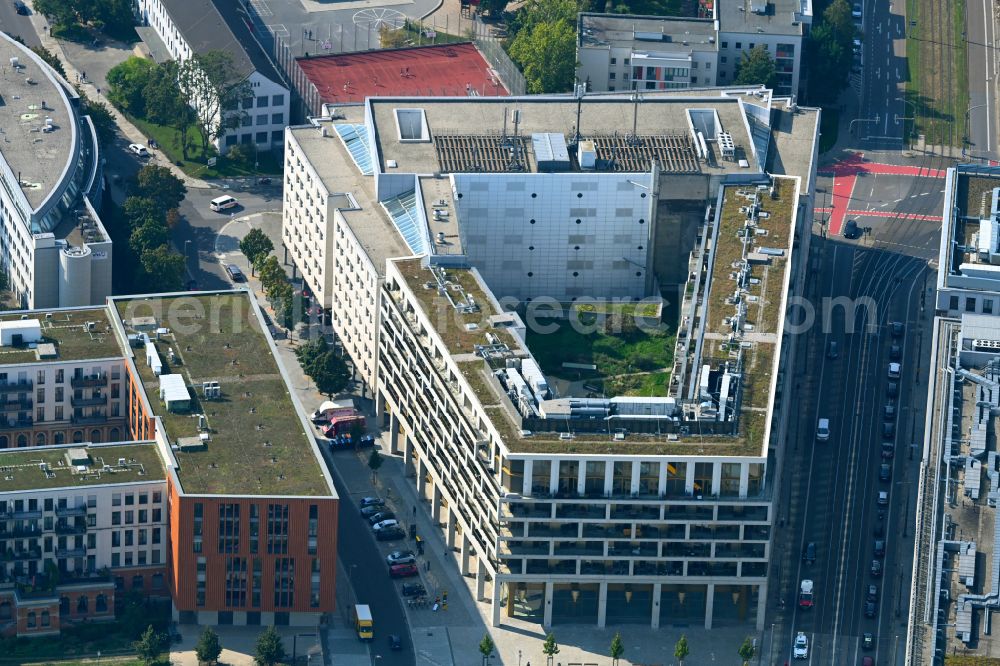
618, 357
195, 164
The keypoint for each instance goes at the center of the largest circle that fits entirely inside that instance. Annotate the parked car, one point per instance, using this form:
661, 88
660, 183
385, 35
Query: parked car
895, 352
879, 548
414, 590
235, 274
403, 571
400, 557
888, 430
892, 389
371, 501
381, 517
800, 649
889, 411
867, 641
20, 8
852, 230
856, 10
884, 472
138, 149
389, 522
894, 370
883, 497
871, 608
369, 511
876, 568
871, 594
888, 450
390, 534
867, 661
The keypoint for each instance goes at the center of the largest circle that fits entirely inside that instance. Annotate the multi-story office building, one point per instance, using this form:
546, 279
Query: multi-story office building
153, 444
430, 225
53, 247
189, 27
625, 52
969, 277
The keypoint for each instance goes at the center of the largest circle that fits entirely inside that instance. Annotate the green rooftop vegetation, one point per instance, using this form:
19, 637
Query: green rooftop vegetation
77, 334
20, 469
257, 445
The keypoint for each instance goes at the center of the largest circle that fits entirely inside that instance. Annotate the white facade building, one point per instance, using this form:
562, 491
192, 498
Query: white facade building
421, 223
53, 247
625, 52
188, 27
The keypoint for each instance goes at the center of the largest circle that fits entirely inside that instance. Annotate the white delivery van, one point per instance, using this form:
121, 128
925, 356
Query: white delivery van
222, 203
823, 430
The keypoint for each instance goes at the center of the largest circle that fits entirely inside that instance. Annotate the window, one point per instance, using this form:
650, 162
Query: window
143, 514
143, 498
255, 583
156, 515
970, 304
612, 76
739, 45
129, 499
157, 497
314, 585
953, 302
116, 499
694, 64
277, 136
156, 535
142, 558
129, 517
116, 517
229, 528
40, 395
155, 556
230, 139
708, 65
313, 527
142, 537
236, 581
116, 559
116, 539
261, 101
59, 417
45, 618
199, 509
60, 376
277, 100
91, 501
31, 619
254, 527
261, 137
246, 138
987, 306
284, 582
129, 537
248, 103
277, 529
40, 378
277, 118
614, 61
625, 62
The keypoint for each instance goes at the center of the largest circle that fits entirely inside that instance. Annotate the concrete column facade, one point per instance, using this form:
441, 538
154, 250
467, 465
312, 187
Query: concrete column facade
436, 503
761, 605
393, 434
451, 528
709, 603
547, 613
602, 605
481, 582
466, 547
657, 592
495, 606
420, 477
407, 455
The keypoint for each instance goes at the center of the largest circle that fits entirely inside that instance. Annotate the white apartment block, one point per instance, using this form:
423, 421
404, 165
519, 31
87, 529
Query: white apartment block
625, 52
53, 247
186, 27
968, 278
425, 224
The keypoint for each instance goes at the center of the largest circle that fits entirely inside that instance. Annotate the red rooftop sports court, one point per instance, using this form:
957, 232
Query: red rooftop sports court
445, 70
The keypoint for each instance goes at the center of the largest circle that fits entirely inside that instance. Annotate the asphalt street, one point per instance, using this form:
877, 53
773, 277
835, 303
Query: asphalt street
981, 31
831, 498
16, 25
880, 122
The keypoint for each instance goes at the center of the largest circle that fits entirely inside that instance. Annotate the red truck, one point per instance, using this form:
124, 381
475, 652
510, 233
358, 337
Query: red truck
341, 425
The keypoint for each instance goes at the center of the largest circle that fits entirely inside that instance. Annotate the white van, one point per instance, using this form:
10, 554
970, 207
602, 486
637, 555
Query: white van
222, 203
823, 430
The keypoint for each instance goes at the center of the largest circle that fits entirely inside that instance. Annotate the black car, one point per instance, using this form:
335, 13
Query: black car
884, 472
390, 534
897, 329
870, 609
852, 230
876, 568
395, 642
867, 641
888, 430
895, 352
380, 516
809, 555
414, 590
20, 8
879, 548
892, 389
366, 442
879, 529
872, 593
235, 274
369, 511
888, 450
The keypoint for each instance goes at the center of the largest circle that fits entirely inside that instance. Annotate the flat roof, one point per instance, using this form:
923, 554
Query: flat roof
968, 199
339, 174
78, 335
21, 469
442, 218
257, 443
793, 141
38, 158
438, 69
655, 33
605, 118
780, 17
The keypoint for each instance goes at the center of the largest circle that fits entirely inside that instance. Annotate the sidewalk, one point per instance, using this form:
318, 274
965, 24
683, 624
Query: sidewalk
95, 92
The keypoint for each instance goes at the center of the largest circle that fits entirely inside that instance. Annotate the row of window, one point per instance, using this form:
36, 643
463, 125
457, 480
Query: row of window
130, 516
277, 136
41, 438
261, 101
237, 578
141, 536
139, 558
970, 304
230, 522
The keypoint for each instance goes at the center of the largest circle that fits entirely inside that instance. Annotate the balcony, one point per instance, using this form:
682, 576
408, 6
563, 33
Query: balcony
19, 386
90, 419
97, 400
32, 514
26, 554
70, 529
70, 511
88, 381
68, 553
13, 424
16, 405
22, 531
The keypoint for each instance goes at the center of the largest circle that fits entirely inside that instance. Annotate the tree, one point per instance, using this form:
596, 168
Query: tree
486, 645
494, 8
208, 648
374, 462
617, 648
138, 210
756, 68
164, 101
150, 645
254, 245
269, 648
546, 53
330, 373
550, 648
127, 84
159, 184
164, 268
100, 115
151, 235
282, 298
746, 651
214, 89
681, 650
271, 273
828, 53
309, 352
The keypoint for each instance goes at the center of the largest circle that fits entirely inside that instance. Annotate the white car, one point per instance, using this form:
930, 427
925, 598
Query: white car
378, 527
138, 149
801, 648
856, 10
894, 370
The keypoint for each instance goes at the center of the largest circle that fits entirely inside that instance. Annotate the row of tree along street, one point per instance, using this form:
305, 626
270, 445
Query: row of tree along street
152, 645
